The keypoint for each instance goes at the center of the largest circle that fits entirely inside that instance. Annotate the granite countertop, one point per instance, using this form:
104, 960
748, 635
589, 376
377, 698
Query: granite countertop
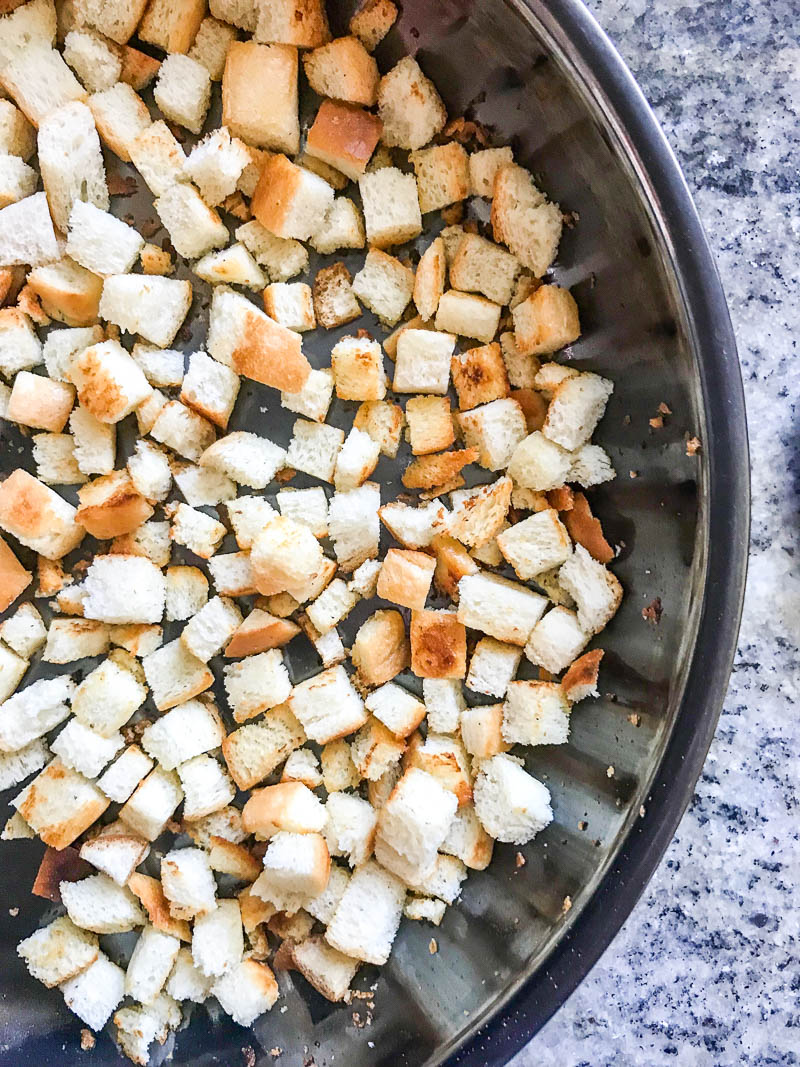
706, 970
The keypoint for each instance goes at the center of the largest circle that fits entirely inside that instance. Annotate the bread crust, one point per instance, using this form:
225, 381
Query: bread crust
344, 136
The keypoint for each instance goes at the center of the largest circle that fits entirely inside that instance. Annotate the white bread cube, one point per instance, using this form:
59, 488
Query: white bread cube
201, 486
483, 168
61, 345
289, 200
37, 402
396, 708
211, 628
255, 750
425, 908
20, 348
540, 464
252, 73
479, 266
175, 675
354, 526
368, 915
521, 369
413, 823
158, 157
183, 91
188, 883
151, 306
210, 47
193, 227
302, 766
332, 605
17, 180
39, 81
338, 770
182, 430
99, 242
98, 904
187, 982
232, 574
138, 638
188, 730
150, 964
73, 639
97, 63
241, 13
494, 663
482, 731
137, 1027
27, 235
155, 260
37, 516
246, 991
385, 286
511, 804
350, 827
120, 115
218, 939
306, 506
328, 706
444, 880
95, 442
556, 640
57, 952
17, 136
391, 207
535, 713
115, 851
186, 592
442, 173
314, 399
468, 315
54, 455
291, 305
536, 544
286, 557
246, 458
149, 470
118, 22
296, 867
215, 164
502, 609
314, 449
123, 589
343, 70
342, 227
110, 385
15, 767
152, 803
329, 645
478, 514
524, 220
577, 406
84, 750
249, 515
257, 683
206, 787
413, 527
323, 906
357, 459
281, 259
171, 25
210, 388
495, 429
330, 972
410, 107
591, 466
595, 589
467, 840
107, 697
444, 703
95, 992
124, 774
60, 804
24, 632
423, 362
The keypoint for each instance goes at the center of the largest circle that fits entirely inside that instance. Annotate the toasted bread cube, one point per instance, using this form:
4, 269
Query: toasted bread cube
483, 168
296, 867
482, 267
535, 713
57, 952
500, 608
343, 70
364, 582
524, 220
327, 705
375, 750
338, 772
328, 646
124, 774
412, 527
406, 577
430, 424
210, 46
62, 345
425, 908
151, 306
384, 285
162, 367
206, 787
232, 574
245, 458
95, 992
188, 883
107, 697
226, 857
73, 639
423, 362
183, 430
172, 26
187, 982
334, 301
302, 766
186, 592
200, 486
241, 13
67, 292
291, 305
580, 681
495, 429
381, 649
120, 115
289, 200
286, 557
493, 665
252, 73
37, 516
591, 466
26, 236
438, 645
546, 321
409, 105
257, 683
281, 259
368, 914
138, 638
183, 91
383, 422
303, 23
372, 21
331, 606
577, 406
289, 806
110, 506
193, 227
24, 632
452, 562
256, 749
210, 629
40, 403
468, 315
215, 165
556, 640
38, 80
444, 879
306, 506
344, 137
482, 730
536, 544
396, 708
596, 590
246, 991
138, 69
391, 207
29, 714
85, 751
109, 383
15, 767
148, 411
158, 157
510, 803
430, 278
60, 804
314, 398
442, 176
123, 589
151, 895
327, 970
521, 369
137, 1027
413, 823
442, 470
99, 242
354, 525
356, 461
175, 675
248, 516
342, 227
357, 366
540, 464
20, 348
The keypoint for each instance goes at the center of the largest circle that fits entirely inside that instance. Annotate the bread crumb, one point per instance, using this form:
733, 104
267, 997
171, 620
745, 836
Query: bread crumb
519, 860
610, 772
657, 423
633, 474
433, 946
566, 904
642, 812
87, 1040
583, 825
664, 409
653, 612
275, 1052
693, 446
13, 912
249, 1054
635, 718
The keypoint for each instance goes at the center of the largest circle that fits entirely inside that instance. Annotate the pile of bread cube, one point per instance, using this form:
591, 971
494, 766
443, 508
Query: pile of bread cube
290, 824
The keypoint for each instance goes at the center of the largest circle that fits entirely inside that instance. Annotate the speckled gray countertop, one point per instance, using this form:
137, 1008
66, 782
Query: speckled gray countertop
707, 968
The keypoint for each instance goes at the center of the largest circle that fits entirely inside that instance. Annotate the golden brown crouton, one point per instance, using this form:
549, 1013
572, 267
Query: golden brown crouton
429, 471
381, 649
430, 424
438, 645
479, 376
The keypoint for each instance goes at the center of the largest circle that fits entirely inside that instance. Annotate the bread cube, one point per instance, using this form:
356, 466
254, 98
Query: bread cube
556, 640
430, 279
171, 25
27, 236
384, 285
383, 422
391, 207
158, 157
17, 180
354, 525
281, 259
123, 589
137, 1027
591, 466
334, 301
288, 806
60, 804
175, 675
350, 829
289, 200
188, 730
306, 506
468, 315
109, 383
314, 449
256, 749
430, 424
215, 165
343, 70
193, 227
286, 557
73, 639
20, 348
94, 993
412, 527
288, 22
15, 767
67, 292
413, 823
17, 136
442, 176
546, 321
218, 939
254, 72
291, 305
482, 267
375, 750
120, 115
245, 458
151, 306
595, 589
210, 46
313, 400
257, 683
536, 544
183, 91
575, 409
187, 982
438, 645
248, 516
342, 227
495, 429
124, 774
406, 577
246, 991
540, 464
58, 951
296, 866
188, 883
210, 629
106, 699
483, 168
381, 649
137, 638
511, 804
110, 506
84, 750
39, 402
498, 607
344, 137
24, 631
206, 787
409, 105
396, 708
482, 730
423, 362
493, 665
328, 706
524, 220
29, 714
357, 366
372, 21
521, 369
37, 516
368, 914
183, 430
101, 243
61, 345
356, 460
535, 713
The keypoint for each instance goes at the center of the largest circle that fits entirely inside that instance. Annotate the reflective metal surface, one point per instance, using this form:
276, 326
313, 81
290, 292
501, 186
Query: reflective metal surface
543, 77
